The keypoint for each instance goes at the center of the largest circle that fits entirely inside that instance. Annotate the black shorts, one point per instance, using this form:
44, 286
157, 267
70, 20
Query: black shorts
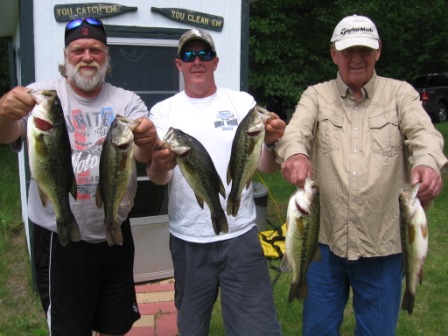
85, 286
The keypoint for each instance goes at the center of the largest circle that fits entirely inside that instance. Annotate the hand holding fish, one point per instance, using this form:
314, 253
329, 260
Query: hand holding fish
145, 138
274, 129
296, 169
163, 162
14, 105
430, 183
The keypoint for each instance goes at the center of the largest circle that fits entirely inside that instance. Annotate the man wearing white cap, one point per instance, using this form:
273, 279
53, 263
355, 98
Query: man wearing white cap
362, 137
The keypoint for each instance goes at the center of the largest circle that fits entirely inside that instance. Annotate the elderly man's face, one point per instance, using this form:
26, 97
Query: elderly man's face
86, 62
356, 64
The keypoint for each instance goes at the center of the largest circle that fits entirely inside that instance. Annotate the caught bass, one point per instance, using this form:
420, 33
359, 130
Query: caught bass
246, 152
414, 241
116, 167
50, 161
198, 169
302, 236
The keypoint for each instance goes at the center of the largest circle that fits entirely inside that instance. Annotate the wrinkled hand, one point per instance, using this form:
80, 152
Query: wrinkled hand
274, 129
296, 169
16, 104
431, 183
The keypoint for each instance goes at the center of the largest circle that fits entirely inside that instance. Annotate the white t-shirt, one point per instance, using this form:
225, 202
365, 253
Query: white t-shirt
88, 121
213, 121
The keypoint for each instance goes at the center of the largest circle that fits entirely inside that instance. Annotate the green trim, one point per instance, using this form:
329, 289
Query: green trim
244, 62
144, 32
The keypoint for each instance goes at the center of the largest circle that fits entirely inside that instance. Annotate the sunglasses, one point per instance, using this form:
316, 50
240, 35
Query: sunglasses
190, 56
77, 22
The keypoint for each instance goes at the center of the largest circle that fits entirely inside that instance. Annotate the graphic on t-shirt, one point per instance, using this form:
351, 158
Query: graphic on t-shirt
226, 120
87, 131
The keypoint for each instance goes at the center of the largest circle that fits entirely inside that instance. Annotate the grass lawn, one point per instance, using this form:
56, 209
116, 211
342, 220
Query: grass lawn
21, 313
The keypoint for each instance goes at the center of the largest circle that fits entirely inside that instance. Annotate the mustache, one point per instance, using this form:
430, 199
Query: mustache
85, 64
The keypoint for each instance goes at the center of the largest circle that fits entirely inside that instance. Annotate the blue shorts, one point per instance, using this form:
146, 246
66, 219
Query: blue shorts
376, 286
84, 286
236, 267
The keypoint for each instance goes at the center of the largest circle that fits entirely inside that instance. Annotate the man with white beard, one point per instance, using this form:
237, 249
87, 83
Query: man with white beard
86, 285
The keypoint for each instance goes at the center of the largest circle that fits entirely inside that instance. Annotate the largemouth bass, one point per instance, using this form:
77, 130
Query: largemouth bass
246, 152
116, 167
50, 161
414, 241
302, 236
198, 169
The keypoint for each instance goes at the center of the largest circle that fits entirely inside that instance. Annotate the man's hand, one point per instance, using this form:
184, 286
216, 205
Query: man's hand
431, 183
296, 169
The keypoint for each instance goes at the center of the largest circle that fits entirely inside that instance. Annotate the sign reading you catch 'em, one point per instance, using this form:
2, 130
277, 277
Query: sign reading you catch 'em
198, 19
69, 12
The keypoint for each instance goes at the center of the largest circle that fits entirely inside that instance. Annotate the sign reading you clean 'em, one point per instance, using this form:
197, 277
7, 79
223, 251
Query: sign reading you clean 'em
69, 12
198, 19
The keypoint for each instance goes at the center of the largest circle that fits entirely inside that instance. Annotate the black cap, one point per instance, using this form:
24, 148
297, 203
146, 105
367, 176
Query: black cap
85, 30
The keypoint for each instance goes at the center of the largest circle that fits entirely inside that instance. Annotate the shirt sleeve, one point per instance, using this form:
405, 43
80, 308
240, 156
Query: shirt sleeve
299, 132
423, 142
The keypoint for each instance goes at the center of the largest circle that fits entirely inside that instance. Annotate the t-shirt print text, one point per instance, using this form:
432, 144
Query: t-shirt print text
226, 121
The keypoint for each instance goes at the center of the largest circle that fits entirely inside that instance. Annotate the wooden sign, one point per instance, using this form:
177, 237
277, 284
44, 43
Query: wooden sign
69, 12
198, 19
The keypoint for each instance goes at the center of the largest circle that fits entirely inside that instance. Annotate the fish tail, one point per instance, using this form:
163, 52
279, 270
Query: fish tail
114, 236
303, 291
68, 230
408, 301
233, 205
220, 223
293, 292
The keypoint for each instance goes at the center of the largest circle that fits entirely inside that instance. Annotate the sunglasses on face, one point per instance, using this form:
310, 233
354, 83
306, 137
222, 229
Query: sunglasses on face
190, 56
77, 22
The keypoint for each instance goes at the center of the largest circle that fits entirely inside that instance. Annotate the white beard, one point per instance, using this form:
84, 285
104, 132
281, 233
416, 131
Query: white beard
86, 80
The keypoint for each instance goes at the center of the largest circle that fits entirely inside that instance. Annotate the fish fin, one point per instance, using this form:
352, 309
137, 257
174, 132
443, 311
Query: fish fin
222, 190
233, 206
74, 188
420, 275
68, 231
293, 292
43, 197
408, 301
317, 256
229, 176
302, 291
251, 147
122, 164
126, 201
300, 226
114, 236
220, 223
200, 200
248, 183
98, 198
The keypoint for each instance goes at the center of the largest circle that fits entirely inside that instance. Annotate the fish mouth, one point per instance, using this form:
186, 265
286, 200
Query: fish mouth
301, 210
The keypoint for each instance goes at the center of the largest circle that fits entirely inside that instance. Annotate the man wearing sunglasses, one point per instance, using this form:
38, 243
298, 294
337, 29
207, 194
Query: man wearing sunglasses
86, 285
231, 263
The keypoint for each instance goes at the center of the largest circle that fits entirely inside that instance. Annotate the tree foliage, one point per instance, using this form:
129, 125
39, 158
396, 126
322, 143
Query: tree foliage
4, 65
290, 42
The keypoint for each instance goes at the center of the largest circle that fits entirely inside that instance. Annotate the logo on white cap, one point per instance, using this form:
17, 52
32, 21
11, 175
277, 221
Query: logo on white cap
355, 31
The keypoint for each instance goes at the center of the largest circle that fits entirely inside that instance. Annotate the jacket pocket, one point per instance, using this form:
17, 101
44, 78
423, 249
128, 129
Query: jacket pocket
385, 134
329, 132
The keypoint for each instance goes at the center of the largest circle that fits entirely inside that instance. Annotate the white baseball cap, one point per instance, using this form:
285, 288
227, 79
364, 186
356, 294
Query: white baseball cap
355, 31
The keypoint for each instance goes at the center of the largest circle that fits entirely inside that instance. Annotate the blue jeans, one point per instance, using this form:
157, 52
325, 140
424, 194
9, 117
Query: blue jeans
376, 285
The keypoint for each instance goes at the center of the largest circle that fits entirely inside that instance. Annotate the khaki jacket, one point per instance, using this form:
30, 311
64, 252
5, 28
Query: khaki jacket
362, 154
